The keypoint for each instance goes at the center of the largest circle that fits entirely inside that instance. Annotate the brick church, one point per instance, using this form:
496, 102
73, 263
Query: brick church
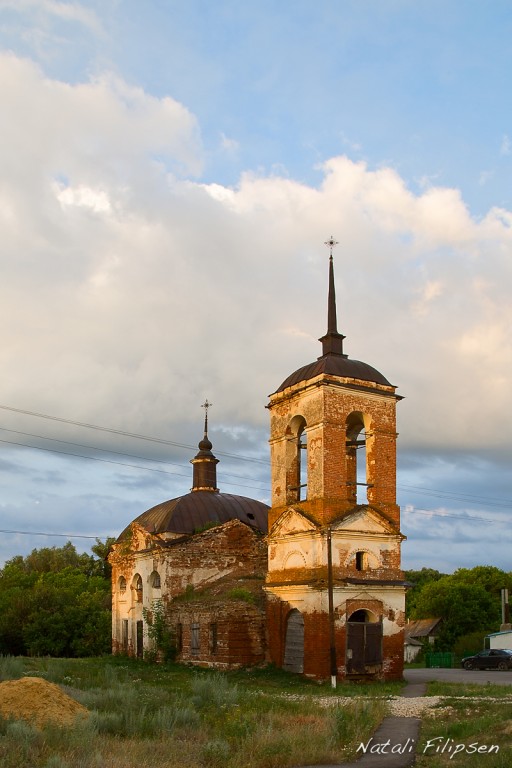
312, 584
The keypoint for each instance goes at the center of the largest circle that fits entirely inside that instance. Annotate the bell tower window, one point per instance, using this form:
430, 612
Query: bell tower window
297, 460
357, 459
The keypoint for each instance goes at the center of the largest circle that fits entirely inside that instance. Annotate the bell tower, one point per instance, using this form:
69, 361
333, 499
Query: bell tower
336, 595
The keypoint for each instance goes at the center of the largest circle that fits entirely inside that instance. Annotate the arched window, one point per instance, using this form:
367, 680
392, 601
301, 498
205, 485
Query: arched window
137, 583
122, 584
361, 561
297, 460
357, 460
154, 580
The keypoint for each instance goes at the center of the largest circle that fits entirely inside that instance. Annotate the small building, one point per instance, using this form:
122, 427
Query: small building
412, 649
499, 640
423, 629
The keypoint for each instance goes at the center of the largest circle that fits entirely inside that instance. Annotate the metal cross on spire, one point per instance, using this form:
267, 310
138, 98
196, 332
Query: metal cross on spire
332, 243
332, 342
206, 405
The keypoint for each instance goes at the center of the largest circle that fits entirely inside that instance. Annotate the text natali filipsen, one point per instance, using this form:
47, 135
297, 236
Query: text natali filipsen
438, 745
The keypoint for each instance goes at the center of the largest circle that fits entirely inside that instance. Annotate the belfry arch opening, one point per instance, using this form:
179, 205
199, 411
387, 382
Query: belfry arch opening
297, 460
358, 475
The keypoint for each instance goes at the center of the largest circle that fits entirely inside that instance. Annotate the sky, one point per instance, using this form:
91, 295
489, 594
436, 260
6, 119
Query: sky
170, 173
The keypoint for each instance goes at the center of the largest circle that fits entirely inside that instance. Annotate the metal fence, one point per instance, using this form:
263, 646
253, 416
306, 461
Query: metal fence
436, 660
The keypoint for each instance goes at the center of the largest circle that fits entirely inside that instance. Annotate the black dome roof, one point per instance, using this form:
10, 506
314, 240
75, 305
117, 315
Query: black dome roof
335, 365
196, 509
204, 504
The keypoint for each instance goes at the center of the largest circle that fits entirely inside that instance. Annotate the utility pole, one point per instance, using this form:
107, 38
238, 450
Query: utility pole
332, 636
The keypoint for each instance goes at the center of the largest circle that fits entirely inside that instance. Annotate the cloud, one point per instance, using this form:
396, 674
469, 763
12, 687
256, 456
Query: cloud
229, 145
61, 11
132, 289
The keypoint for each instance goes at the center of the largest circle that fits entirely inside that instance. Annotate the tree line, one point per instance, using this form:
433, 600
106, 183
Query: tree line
56, 602
468, 601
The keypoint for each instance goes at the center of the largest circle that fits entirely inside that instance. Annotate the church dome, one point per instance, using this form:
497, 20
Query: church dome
335, 365
204, 505
198, 509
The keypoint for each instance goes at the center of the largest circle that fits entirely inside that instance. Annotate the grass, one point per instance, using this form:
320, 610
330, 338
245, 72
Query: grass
465, 724
146, 715
466, 689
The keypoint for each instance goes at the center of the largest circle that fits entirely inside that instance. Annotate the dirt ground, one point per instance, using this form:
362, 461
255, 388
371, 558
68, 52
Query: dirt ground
39, 702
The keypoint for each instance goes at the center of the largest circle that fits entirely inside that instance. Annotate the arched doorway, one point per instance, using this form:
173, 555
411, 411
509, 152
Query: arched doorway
294, 643
364, 642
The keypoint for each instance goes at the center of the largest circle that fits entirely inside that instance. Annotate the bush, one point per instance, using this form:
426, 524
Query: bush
242, 593
11, 668
213, 691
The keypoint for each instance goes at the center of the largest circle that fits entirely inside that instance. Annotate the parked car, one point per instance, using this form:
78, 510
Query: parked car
490, 659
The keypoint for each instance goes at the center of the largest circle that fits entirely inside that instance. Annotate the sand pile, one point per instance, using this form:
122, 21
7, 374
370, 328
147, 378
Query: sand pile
39, 702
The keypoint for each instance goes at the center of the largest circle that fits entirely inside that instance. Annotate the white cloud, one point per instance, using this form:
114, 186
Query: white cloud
70, 12
97, 200
229, 145
131, 291
506, 146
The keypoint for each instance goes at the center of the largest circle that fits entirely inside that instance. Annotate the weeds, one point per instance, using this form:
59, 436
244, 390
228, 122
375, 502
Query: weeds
260, 718
214, 691
242, 593
481, 723
11, 668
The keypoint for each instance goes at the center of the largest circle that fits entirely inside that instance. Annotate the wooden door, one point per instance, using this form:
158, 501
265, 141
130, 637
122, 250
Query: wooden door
294, 642
364, 646
140, 639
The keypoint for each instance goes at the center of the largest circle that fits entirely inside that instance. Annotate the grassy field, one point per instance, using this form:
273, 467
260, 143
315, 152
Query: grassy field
145, 715
171, 716
469, 715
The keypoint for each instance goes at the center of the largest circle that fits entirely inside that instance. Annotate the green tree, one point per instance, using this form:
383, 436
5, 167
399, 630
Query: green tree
101, 549
56, 559
68, 609
56, 602
418, 579
464, 607
15, 605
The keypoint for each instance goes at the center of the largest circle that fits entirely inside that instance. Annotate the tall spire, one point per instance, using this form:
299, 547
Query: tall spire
204, 462
332, 342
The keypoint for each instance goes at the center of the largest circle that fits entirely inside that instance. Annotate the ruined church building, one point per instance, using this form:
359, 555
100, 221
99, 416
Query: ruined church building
312, 584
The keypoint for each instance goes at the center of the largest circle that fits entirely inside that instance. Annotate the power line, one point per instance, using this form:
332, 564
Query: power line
454, 496
436, 493
63, 535
466, 518
117, 463
448, 494
429, 512
105, 450
123, 433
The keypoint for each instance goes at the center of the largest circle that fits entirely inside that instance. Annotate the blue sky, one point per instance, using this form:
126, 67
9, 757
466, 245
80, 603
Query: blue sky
170, 172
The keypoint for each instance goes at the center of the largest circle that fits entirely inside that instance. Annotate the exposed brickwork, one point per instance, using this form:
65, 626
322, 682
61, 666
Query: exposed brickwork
326, 406
221, 557
239, 633
335, 413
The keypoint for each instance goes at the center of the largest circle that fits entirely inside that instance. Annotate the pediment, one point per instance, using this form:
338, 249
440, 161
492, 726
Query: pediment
292, 521
362, 597
364, 520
